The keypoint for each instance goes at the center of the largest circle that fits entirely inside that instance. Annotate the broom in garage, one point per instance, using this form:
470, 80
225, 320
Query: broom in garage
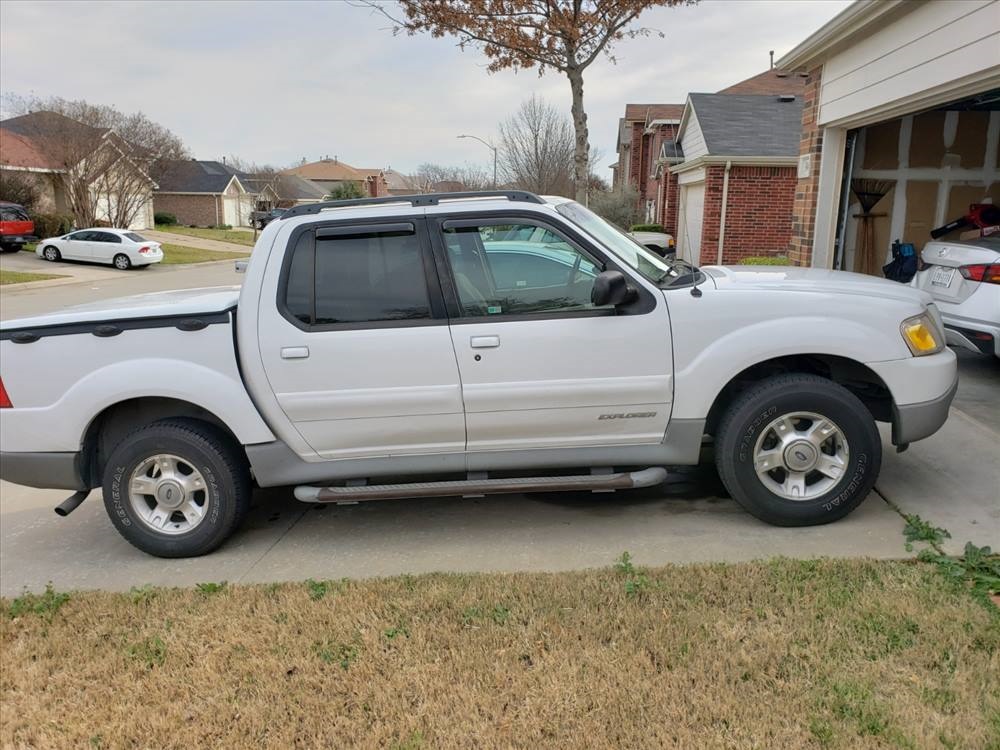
868, 192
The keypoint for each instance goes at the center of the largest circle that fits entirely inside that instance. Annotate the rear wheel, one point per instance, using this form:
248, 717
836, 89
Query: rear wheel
798, 450
10, 248
51, 254
121, 262
176, 488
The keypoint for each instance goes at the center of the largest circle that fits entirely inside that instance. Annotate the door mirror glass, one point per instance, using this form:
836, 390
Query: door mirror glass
611, 288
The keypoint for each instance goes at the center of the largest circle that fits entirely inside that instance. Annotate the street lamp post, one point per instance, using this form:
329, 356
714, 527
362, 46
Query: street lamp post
492, 148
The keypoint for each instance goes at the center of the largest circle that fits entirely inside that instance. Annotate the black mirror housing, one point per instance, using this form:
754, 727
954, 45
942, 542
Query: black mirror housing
611, 288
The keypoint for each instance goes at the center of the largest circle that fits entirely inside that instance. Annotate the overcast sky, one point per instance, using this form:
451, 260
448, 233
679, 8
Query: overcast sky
276, 82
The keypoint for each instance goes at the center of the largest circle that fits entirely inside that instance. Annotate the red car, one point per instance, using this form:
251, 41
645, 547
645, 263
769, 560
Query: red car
16, 227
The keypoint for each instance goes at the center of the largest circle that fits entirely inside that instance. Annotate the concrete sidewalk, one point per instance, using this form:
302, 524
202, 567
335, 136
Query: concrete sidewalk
198, 242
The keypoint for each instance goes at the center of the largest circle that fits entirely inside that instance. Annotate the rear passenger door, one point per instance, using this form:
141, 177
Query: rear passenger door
105, 246
360, 358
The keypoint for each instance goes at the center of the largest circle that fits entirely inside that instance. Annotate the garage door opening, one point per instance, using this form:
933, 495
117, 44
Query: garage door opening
931, 166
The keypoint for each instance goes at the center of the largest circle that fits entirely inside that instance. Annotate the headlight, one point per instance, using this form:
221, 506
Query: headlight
921, 335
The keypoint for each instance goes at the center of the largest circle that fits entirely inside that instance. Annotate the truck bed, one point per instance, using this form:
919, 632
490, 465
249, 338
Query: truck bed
62, 369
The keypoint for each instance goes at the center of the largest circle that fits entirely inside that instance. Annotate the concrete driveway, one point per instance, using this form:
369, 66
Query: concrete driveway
951, 479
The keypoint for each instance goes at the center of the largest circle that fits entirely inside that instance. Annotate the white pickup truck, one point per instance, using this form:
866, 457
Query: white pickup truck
466, 344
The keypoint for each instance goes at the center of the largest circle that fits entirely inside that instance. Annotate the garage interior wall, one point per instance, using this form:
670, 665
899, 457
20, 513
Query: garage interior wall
940, 162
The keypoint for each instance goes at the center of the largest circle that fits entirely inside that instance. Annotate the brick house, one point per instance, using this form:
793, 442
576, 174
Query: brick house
204, 193
736, 177
906, 94
681, 174
641, 135
328, 174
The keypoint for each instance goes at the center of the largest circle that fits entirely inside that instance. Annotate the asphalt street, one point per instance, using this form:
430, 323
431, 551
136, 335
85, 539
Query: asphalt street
951, 479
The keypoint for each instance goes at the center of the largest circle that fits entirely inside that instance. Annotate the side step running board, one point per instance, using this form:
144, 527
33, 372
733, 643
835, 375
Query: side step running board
620, 481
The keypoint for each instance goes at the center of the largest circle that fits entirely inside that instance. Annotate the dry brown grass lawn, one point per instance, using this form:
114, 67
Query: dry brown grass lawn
780, 654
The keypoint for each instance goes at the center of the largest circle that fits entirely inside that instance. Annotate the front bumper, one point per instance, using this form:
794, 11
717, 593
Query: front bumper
56, 471
912, 422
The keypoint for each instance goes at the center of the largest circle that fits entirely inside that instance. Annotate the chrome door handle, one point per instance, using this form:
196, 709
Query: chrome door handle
484, 342
294, 352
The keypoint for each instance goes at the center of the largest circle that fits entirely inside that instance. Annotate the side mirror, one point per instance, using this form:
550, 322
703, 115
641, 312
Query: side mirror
611, 288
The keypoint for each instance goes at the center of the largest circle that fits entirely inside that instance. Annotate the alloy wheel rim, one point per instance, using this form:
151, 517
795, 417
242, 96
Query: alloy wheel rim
168, 494
121, 262
801, 455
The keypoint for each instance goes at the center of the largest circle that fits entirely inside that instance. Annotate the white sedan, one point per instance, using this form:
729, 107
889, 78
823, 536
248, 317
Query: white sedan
964, 279
118, 247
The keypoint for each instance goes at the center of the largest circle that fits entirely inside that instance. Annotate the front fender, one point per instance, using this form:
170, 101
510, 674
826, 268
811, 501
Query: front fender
702, 372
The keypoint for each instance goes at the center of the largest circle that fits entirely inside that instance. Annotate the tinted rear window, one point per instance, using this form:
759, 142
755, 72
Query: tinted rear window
135, 237
369, 277
13, 213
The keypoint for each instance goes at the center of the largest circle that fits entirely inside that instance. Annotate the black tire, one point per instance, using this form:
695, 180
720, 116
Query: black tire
51, 253
121, 262
751, 414
10, 248
206, 449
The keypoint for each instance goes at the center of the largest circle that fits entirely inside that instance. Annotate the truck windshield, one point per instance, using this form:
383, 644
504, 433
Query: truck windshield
656, 269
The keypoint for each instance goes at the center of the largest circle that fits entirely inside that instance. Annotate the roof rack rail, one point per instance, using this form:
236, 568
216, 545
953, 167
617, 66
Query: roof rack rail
425, 199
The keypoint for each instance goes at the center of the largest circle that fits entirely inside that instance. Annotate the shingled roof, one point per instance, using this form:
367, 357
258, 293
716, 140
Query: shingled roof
650, 112
194, 176
749, 125
769, 82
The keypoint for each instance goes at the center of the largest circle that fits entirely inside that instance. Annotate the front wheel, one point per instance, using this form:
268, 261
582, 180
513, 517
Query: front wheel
798, 450
51, 254
176, 488
121, 262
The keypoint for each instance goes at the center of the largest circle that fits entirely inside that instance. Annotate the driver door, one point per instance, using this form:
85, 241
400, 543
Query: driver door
540, 365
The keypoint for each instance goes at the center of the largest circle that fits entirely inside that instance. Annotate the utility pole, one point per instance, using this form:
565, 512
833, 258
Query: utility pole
492, 148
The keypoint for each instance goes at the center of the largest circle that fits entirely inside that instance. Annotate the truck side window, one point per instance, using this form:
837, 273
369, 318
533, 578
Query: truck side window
357, 278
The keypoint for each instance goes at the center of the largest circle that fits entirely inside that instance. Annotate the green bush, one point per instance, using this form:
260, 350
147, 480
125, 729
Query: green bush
162, 217
765, 260
51, 225
646, 228
221, 226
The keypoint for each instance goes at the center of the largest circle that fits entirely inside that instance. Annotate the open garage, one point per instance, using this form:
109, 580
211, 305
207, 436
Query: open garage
900, 128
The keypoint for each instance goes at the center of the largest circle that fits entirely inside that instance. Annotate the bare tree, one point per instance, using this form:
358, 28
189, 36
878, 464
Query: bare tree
620, 207
107, 161
248, 165
563, 35
536, 149
435, 177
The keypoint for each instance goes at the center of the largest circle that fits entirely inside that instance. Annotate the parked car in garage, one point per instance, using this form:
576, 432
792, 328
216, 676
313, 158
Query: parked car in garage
964, 279
16, 227
120, 248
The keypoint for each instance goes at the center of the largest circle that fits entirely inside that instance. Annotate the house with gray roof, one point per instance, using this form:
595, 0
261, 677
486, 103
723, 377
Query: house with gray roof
734, 160
205, 193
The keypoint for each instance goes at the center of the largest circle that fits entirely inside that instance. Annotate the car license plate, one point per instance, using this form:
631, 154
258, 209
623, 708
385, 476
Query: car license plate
942, 276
